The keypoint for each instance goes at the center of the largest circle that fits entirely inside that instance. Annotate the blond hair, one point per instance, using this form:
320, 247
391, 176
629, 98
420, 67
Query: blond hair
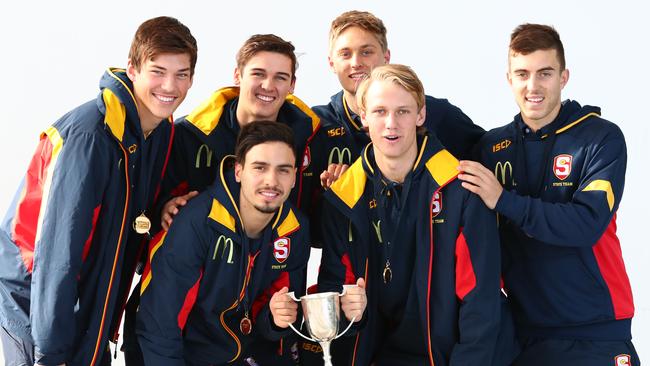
362, 19
401, 75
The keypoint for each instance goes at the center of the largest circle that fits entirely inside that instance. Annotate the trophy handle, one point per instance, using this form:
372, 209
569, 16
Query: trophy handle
293, 297
345, 289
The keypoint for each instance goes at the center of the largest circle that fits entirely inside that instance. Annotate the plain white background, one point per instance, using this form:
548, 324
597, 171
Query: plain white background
53, 54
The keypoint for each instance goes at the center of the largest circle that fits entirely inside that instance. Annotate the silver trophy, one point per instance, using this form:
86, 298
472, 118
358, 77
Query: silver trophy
321, 314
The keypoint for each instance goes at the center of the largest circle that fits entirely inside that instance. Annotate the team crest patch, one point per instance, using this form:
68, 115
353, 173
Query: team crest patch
436, 204
306, 159
622, 360
562, 166
281, 249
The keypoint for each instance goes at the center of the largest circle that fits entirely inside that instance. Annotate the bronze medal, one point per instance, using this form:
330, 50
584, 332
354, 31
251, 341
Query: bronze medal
245, 325
388, 274
142, 224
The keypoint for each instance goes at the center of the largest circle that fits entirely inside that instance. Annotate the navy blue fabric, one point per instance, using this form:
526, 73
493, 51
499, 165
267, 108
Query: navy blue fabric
69, 306
471, 330
544, 352
193, 248
551, 273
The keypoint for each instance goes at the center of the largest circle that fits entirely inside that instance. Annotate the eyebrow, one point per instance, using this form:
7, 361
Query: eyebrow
263, 163
265, 71
548, 68
162, 68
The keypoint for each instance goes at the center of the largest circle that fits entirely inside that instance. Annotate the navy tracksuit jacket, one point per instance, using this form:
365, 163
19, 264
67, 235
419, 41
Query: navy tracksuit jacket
205, 276
562, 264
455, 302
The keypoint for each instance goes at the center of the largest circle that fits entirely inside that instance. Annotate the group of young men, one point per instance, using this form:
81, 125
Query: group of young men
506, 257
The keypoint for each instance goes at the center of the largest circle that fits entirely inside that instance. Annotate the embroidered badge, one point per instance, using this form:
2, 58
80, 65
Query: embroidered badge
436, 204
281, 249
562, 166
622, 360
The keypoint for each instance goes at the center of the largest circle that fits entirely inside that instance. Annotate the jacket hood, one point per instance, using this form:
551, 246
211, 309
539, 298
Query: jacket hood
117, 102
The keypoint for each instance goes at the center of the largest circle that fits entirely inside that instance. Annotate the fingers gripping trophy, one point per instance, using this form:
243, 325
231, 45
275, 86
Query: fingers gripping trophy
321, 312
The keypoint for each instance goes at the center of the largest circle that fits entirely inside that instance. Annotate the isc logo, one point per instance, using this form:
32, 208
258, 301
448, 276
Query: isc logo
501, 145
340, 131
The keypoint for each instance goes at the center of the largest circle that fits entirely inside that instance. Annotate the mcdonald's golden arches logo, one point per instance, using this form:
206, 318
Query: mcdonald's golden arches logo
503, 172
227, 246
208, 156
340, 155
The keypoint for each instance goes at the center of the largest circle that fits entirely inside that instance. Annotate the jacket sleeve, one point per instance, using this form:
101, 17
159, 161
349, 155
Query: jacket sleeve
294, 278
477, 284
336, 267
583, 220
454, 129
169, 291
67, 185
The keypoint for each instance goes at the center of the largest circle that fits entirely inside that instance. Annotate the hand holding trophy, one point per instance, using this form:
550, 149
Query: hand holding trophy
321, 313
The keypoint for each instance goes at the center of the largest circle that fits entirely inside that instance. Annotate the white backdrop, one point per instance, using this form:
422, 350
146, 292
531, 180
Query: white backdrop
54, 53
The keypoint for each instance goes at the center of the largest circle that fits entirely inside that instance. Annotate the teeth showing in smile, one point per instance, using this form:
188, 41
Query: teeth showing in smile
358, 76
265, 98
535, 99
164, 99
391, 138
269, 194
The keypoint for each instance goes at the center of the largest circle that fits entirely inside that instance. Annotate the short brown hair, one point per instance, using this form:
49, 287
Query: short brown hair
362, 19
162, 35
528, 38
400, 75
259, 132
270, 43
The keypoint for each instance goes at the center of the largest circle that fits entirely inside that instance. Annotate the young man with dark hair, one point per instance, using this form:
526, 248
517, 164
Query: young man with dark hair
563, 170
220, 275
70, 242
428, 249
264, 80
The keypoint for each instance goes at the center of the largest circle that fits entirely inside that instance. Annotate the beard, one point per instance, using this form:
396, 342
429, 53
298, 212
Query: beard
266, 209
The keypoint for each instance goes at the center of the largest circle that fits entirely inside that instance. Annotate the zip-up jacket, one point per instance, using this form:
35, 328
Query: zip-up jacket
205, 277
67, 247
455, 274
342, 137
210, 132
562, 264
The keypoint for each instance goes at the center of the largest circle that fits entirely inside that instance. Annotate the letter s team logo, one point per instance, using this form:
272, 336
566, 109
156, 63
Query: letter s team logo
436, 204
281, 249
306, 159
562, 166
622, 360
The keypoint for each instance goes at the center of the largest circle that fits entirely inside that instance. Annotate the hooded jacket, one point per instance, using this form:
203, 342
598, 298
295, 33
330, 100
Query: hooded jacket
342, 136
562, 265
455, 274
67, 247
205, 276
210, 132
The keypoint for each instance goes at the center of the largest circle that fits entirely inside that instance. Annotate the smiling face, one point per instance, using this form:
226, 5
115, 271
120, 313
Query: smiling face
267, 175
537, 80
264, 83
353, 55
159, 87
392, 116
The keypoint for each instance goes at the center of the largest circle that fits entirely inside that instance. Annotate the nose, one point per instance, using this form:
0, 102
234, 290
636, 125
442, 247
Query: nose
355, 60
267, 83
532, 82
271, 178
169, 83
391, 121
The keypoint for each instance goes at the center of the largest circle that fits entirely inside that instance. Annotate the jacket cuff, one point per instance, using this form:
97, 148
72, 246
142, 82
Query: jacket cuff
509, 205
51, 359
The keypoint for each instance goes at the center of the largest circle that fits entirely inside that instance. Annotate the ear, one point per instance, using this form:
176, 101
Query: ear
237, 76
422, 116
238, 171
293, 85
387, 56
295, 170
331, 63
509, 78
130, 70
362, 115
564, 78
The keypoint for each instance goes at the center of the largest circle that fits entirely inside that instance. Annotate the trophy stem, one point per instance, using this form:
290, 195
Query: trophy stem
327, 359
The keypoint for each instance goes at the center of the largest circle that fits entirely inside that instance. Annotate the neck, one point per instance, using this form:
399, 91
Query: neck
538, 124
244, 118
252, 219
396, 169
351, 101
148, 125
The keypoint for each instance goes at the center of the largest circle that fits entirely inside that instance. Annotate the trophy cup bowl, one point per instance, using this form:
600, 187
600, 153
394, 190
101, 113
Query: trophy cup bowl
321, 314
